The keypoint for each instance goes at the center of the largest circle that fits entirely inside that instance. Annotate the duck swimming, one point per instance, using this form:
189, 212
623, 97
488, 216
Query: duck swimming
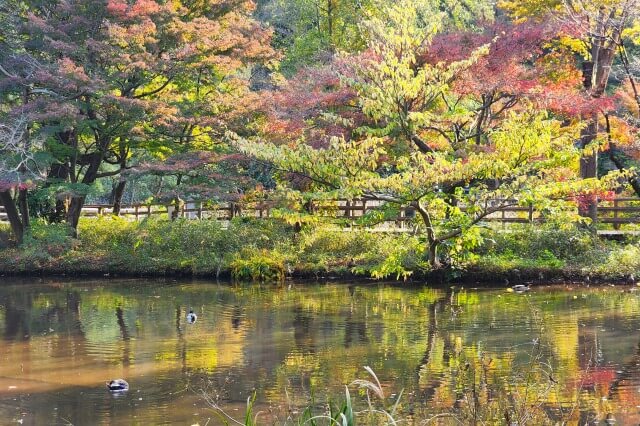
191, 317
118, 385
520, 288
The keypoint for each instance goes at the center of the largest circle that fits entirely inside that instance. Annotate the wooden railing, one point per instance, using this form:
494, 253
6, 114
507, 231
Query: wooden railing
615, 212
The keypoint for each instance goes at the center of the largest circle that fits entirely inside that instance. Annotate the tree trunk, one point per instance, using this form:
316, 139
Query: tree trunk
330, 24
589, 166
73, 214
77, 201
177, 202
434, 261
23, 206
595, 78
12, 214
433, 255
59, 173
118, 192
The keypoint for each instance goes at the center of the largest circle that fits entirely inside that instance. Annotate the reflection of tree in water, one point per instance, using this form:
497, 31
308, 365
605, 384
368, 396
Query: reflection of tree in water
303, 330
17, 309
236, 317
124, 332
354, 327
22, 319
436, 308
182, 342
67, 318
626, 376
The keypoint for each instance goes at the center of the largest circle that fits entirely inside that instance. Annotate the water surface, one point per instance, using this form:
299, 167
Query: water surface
61, 340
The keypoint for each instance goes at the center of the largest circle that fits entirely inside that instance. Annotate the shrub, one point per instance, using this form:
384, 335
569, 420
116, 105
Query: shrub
44, 241
532, 241
262, 265
322, 248
394, 255
622, 262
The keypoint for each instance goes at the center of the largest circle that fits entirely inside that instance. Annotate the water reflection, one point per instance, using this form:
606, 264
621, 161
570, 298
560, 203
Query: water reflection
62, 340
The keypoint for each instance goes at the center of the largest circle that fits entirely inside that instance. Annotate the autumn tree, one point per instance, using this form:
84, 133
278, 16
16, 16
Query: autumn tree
531, 156
119, 76
310, 32
597, 32
408, 151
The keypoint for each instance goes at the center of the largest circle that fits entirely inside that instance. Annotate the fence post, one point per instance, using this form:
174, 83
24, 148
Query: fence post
200, 210
135, 209
530, 213
616, 224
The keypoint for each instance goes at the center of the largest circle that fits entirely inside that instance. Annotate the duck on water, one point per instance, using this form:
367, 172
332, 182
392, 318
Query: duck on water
191, 317
118, 385
520, 288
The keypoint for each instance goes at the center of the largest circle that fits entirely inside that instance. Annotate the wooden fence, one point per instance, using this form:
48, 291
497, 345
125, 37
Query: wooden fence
614, 212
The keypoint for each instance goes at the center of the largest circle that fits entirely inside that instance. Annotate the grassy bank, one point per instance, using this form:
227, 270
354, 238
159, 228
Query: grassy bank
271, 249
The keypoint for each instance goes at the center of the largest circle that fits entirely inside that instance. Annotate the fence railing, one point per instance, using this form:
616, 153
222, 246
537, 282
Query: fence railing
615, 212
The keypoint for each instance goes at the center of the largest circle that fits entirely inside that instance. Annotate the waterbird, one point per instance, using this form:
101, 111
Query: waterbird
118, 385
520, 288
191, 317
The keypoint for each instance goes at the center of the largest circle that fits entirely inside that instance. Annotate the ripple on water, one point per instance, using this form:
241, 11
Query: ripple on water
288, 344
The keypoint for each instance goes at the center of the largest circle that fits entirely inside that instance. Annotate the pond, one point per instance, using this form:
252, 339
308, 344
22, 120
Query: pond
298, 344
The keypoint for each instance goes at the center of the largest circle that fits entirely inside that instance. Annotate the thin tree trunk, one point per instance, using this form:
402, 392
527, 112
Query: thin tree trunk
118, 192
59, 173
23, 206
177, 202
433, 255
589, 166
73, 214
434, 261
12, 214
77, 202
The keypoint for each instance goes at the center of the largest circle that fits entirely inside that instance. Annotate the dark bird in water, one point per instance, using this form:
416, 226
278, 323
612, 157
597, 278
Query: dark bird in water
191, 317
118, 385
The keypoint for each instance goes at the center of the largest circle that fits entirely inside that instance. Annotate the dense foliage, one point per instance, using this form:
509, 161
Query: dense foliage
452, 109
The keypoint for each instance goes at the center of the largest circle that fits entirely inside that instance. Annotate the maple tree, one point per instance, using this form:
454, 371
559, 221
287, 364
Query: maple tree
114, 77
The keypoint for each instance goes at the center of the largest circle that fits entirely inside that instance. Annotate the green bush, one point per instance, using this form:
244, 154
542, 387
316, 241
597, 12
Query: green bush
262, 265
201, 247
42, 240
533, 241
323, 248
622, 262
394, 256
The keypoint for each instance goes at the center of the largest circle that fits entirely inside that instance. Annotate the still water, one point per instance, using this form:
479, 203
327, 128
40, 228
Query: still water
293, 345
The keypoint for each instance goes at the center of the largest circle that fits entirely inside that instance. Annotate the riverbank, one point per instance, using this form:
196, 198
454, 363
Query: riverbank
272, 250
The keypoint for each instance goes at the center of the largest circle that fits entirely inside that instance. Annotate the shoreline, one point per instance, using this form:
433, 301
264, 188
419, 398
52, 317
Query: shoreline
475, 276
